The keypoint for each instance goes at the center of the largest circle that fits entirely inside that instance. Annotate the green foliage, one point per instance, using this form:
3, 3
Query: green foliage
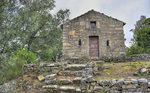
23, 55
32, 26
141, 38
13, 66
50, 54
133, 50
100, 66
10, 70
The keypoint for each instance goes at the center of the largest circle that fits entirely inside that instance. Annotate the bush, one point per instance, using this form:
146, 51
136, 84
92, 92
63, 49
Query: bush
23, 55
134, 50
100, 66
51, 54
10, 71
13, 66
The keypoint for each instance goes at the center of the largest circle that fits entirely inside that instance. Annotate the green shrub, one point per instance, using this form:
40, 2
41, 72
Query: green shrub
134, 50
23, 55
13, 66
50, 54
100, 65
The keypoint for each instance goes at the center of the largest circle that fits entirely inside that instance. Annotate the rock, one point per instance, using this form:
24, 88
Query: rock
120, 80
127, 82
76, 67
41, 78
114, 81
143, 70
97, 88
8, 87
89, 78
135, 74
50, 65
77, 80
149, 84
142, 80
128, 87
104, 83
50, 87
78, 90
65, 82
50, 76
83, 84
134, 81
53, 81
67, 89
78, 73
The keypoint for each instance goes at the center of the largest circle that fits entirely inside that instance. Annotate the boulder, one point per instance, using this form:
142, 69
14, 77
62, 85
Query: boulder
143, 80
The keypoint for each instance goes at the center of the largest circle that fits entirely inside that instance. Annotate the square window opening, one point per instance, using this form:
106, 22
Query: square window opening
93, 25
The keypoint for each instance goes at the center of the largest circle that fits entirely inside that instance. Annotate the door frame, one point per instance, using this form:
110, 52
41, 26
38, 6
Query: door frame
89, 46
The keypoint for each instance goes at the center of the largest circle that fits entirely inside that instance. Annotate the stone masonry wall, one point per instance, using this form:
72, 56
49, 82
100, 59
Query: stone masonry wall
79, 28
86, 82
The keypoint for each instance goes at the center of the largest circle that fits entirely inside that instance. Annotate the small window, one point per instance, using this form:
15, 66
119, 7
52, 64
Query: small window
93, 24
107, 43
79, 42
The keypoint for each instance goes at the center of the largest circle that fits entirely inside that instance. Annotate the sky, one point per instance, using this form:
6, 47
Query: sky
128, 11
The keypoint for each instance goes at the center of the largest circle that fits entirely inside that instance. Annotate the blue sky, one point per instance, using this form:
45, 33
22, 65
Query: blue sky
128, 11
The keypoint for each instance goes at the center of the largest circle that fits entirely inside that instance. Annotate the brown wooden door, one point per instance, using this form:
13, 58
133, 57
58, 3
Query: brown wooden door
93, 46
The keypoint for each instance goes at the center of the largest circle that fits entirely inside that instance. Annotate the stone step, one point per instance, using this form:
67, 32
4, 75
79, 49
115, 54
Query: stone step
64, 80
75, 67
70, 73
62, 89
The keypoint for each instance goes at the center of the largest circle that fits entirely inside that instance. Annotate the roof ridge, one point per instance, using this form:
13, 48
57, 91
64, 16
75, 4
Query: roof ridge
92, 10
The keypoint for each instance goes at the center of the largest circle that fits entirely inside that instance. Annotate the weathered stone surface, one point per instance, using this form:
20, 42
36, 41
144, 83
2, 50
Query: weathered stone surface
50, 76
106, 28
51, 81
104, 82
41, 78
149, 84
127, 82
76, 67
128, 87
8, 87
65, 82
143, 70
67, 88
142, 80
134, 81
98, 88
50, 87
77, 80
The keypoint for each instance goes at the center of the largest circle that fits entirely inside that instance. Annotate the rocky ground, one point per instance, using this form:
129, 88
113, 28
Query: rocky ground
91, 77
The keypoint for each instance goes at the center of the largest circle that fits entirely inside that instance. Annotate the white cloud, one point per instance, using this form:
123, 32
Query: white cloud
128, 11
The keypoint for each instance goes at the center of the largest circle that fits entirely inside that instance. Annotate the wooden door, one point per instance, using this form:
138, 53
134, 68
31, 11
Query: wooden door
93, 46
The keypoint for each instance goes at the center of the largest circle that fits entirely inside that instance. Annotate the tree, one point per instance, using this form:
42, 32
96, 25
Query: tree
141, 37
30, 24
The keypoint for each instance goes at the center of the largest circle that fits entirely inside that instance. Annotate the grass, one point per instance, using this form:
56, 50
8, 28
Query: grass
122, 70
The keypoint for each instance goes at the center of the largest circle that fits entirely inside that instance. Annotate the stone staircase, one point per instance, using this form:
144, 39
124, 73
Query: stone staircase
72, 78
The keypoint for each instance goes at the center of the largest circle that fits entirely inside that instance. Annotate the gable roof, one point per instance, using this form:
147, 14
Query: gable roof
93, 11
